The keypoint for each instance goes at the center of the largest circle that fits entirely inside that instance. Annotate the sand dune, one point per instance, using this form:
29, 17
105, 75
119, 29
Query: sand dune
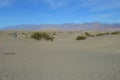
96, 58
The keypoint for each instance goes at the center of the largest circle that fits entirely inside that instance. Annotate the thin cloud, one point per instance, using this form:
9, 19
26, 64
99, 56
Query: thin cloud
5, 3
100, 5
53, 4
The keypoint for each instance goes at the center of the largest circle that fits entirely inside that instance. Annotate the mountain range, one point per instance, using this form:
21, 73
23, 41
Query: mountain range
66, 26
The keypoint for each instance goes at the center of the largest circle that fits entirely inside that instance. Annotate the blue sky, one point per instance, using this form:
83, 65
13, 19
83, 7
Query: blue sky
13, 12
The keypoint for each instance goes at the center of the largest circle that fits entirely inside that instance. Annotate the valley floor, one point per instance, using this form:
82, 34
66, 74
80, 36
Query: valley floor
96, 58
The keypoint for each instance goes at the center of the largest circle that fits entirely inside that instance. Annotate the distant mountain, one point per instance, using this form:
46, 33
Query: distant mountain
67, 26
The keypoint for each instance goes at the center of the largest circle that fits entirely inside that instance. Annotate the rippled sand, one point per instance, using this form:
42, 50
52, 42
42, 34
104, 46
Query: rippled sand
95, 58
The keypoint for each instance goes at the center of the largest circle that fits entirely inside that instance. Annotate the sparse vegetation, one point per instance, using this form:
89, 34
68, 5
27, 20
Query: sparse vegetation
42, 35
53, 33
81, 38
106, 33
115, 32
101, 34
24, 34
89, 35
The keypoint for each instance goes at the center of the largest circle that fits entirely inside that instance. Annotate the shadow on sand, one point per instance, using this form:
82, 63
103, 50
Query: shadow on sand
7, 53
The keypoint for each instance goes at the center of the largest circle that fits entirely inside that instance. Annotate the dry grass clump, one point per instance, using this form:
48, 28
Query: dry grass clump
115, 32
42, 35
81, 38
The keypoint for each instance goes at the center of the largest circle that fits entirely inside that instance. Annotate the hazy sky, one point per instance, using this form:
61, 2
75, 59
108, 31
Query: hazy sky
14, 12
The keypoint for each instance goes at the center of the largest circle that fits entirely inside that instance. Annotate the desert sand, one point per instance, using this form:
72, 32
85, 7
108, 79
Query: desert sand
96, 58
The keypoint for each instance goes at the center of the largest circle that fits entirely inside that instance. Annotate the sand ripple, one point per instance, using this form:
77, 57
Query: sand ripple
65, 67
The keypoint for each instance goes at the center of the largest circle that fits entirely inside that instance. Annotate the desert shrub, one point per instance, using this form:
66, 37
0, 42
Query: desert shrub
88, 34
53, 33
115, 32
42, 35
36, 36
81, 38
24, 34
106, 33
101, 34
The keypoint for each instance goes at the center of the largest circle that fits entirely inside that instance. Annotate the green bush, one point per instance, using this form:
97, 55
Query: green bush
115, 33
42, 35
81, 38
